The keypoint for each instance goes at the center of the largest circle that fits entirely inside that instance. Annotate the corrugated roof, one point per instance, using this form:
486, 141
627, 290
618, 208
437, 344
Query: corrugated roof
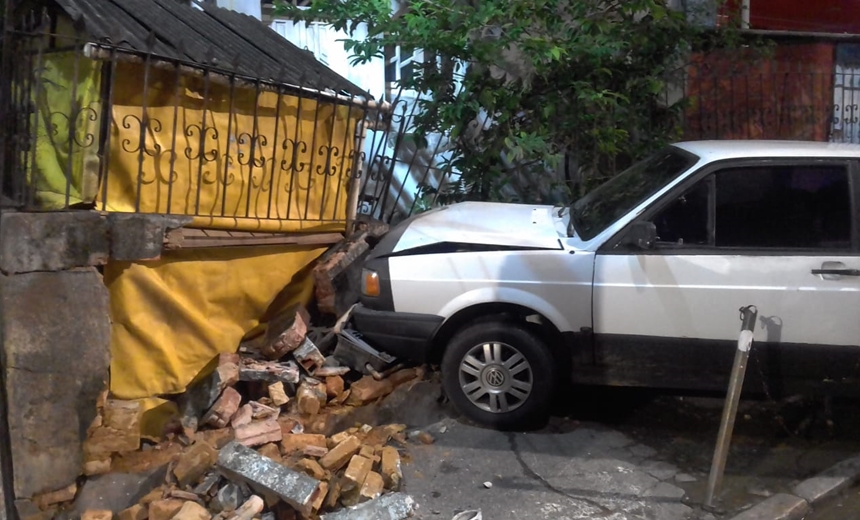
208, 36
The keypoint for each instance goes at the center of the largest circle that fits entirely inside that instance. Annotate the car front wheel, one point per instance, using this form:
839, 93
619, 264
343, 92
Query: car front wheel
499, 375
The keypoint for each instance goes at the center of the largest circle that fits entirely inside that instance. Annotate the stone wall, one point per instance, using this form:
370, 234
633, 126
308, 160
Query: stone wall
56, 331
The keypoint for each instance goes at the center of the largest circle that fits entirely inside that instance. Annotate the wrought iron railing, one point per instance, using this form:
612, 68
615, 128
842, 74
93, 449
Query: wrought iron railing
94, 125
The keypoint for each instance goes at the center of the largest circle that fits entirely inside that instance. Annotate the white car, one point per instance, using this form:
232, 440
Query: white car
639, 282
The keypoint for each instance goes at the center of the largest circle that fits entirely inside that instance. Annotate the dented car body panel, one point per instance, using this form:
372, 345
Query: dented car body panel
737, 223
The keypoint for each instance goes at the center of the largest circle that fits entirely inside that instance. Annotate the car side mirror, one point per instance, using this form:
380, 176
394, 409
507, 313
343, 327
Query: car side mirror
642, 235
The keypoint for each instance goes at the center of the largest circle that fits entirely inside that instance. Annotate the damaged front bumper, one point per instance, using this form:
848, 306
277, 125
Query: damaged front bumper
404, 335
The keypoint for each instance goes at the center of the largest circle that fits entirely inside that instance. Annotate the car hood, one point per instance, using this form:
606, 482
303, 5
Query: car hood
485, 223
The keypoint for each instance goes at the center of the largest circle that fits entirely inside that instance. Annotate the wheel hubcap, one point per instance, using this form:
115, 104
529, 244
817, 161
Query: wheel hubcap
496, 377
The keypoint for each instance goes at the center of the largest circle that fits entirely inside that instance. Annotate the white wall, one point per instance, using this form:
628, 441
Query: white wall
324, 42
249, 7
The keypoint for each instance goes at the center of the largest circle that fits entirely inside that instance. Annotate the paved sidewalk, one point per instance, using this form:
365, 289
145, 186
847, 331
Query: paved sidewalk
583, 473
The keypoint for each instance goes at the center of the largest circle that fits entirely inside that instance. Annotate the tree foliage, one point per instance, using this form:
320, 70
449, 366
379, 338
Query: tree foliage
518, 85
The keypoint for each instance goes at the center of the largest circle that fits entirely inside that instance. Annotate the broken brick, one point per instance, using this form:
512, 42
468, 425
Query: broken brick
425, 438
67, 494
311, 468
165, 509
182, 495
309, 356
321, 498
240, 463
201, 395
277, 394
296, 442
356, 472
250, 509
333, 386
338, 456
97, 514
152, 496
119, 431
372, 487
271, 451
261, 411
367, 451
259, 432
216, 438
96, 467
314, 451
135, 512
342, 397
289, 423
194, 462
403, 376
192, 511
308, 399
333, 267
331, 371
224, 409
368, 389
392, 474
337, 438
333, 496
244, 415
285, 332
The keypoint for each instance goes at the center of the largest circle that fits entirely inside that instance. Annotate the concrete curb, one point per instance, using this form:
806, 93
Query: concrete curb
814, 490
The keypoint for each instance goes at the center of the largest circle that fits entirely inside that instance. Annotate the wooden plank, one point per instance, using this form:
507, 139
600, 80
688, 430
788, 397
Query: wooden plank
196, 238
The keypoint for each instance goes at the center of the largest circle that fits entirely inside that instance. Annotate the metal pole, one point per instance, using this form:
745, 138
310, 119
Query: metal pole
749, 315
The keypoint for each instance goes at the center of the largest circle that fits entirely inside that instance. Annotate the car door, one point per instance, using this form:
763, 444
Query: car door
780, 235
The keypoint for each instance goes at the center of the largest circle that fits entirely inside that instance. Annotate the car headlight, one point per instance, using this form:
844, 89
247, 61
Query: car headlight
369, 283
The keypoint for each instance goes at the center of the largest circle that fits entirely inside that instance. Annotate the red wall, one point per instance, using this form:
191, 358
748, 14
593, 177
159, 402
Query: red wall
787, 97
833, 16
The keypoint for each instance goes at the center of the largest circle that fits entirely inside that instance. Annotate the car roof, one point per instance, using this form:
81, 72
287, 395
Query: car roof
737, 149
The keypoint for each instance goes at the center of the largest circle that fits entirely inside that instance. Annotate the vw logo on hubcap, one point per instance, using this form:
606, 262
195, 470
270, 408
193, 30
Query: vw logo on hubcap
495, 377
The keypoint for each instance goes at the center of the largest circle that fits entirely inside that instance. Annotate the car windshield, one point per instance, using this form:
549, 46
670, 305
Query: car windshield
601, 207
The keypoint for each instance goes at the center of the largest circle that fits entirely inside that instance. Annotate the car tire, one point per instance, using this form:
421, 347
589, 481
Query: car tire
499, 375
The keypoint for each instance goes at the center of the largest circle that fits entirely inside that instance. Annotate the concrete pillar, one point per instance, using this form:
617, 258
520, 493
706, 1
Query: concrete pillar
56, 332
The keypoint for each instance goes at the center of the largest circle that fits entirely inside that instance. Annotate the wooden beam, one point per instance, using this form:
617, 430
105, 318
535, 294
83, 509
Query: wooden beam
185, 238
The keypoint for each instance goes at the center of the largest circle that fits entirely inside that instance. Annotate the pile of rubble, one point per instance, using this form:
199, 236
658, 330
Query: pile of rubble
266, 435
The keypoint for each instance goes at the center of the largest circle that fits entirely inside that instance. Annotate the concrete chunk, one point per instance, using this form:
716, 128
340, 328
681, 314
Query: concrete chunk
268, 477
309, 356
395, 506
269, 372
818, 488
781, 506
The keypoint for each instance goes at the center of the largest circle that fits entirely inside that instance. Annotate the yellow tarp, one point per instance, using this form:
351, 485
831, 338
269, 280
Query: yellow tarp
234, 160
172, 317
66, 122
267, 168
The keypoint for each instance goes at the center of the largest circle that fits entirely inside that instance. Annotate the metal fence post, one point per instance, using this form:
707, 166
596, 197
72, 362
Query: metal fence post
749, 315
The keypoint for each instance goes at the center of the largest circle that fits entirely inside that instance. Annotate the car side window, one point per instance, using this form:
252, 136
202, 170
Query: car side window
783, 207
684, 221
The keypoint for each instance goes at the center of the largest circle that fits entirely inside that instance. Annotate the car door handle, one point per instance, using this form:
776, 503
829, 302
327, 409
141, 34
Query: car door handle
837, 272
